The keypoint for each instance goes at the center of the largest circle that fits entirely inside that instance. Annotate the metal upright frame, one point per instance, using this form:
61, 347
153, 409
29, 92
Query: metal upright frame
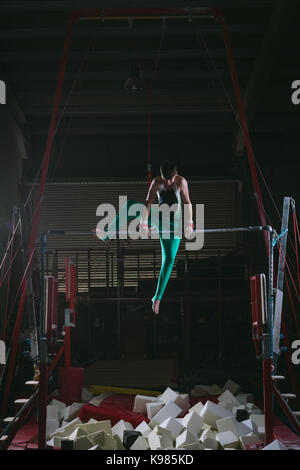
117, 14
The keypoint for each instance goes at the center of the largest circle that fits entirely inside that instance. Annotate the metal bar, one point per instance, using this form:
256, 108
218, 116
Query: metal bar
46, 159
124, 232
43, 391
280, 275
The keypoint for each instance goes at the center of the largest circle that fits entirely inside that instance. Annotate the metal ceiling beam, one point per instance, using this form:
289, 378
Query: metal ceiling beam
99, 30
25, 75
109, 98
264, 65
42, 56
68, 5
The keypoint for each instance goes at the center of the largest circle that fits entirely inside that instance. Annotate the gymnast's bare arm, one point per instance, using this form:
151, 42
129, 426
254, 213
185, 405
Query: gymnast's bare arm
188, 221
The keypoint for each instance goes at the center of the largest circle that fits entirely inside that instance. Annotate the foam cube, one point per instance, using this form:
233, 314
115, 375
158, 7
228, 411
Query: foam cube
144, 429
185, 438
193, 446
70, 412
160, 438
141, 443
82, 443
168, 396
251, 425
120, 427
129, 437
226, 424
211, 412
172, 425
94, 426
233, 387
169, 410
275, 445
259, 420
104, 440
241, 415
197, 408
140, 402
52, 412
193, 423
60, 405
228, 439
51, 426
153, 408
244, 398
228, 396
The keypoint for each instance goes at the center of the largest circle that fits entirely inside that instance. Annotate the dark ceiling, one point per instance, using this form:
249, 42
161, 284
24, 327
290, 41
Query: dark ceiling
181, 80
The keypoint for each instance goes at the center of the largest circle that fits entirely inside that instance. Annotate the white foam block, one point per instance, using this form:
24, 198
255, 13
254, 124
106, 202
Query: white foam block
160, 438
185, 438
275, 445
141, 443
52, 412
228, 439
251, 425
120, 427
172, 425
243, 398
68, 428
143, 428
104, 439
140, 402
193, 446
232, 386
51, 426
168, 396
70, 412
169, 410
153, 408
228, 396
227, 424
197, 408
92, 427
82, 443
60, 405
259, 420
211, 412
193, 423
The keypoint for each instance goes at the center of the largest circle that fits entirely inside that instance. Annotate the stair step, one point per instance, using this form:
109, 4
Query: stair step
3, 438
296, 413
278, 377
9, 419
32, 382
60, 340
21, 401
288, 395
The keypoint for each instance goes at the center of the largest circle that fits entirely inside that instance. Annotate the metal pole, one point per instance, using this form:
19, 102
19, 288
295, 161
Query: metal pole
43, 379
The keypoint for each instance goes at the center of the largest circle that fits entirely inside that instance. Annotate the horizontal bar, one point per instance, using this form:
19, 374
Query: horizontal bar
259, 228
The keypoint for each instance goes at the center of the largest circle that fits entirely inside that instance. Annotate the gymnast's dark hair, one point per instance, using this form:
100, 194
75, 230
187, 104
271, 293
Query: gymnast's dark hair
168, 169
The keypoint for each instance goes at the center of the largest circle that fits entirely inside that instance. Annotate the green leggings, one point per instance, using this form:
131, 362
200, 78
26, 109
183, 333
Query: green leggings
169, 246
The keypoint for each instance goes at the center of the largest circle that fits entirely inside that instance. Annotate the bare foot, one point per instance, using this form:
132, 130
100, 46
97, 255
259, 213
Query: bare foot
155, 306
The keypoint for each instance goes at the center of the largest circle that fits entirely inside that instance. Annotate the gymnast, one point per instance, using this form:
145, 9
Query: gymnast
169, 187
